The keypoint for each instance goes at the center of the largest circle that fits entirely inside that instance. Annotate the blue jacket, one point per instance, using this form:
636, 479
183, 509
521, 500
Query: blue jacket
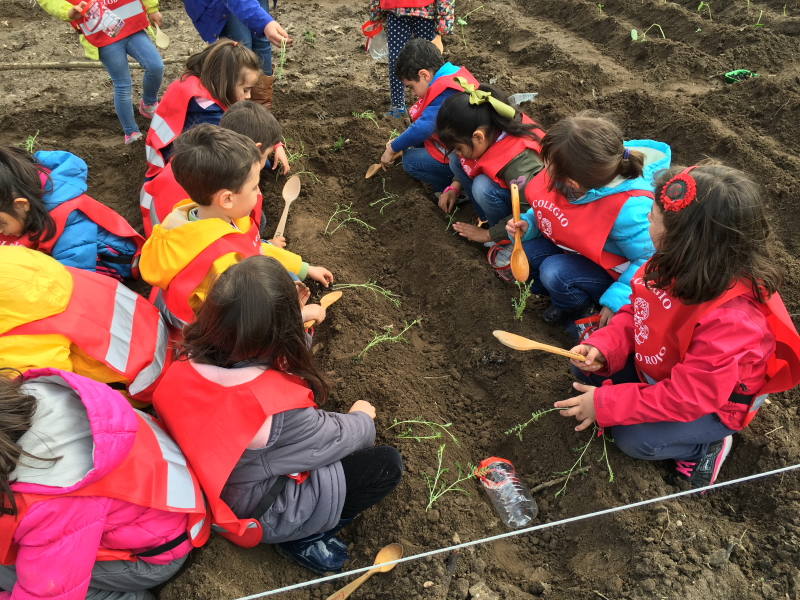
210, 16
425, 126
83, 244
630, 235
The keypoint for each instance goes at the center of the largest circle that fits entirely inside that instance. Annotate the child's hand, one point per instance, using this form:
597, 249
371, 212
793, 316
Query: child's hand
447, 199
77, 10
281, 159
278, 241
581, 407
156, 18
277, 34
321, 274
313, 312
594, 358
303, 293
389, 155
363, 406
605, 316
513, 226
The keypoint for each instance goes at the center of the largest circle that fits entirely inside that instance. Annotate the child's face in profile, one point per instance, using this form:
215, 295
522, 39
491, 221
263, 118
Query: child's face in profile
244, 200
480, 144
13, 224
247, 80
419, 87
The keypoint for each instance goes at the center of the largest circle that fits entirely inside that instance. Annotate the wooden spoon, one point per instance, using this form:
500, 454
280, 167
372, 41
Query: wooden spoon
162, 39
517, 342
291, 190
373, 170
519, 261
324, 302
386, 554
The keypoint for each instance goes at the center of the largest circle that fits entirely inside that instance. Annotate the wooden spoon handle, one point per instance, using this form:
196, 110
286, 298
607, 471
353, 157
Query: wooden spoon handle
282, 222
560, 351
350, 587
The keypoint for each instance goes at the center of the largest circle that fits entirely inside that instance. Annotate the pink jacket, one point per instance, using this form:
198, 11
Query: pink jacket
58, 539
730, 346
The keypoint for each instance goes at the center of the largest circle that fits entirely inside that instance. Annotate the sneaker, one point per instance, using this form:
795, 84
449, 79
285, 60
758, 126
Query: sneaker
132, 137
321, 553
553, 314
147, 110
705, 471
395, 113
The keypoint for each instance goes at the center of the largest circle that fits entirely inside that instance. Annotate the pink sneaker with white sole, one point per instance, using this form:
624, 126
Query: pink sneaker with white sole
705, 471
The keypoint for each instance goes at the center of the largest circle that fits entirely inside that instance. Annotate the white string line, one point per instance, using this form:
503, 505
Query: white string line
606, 511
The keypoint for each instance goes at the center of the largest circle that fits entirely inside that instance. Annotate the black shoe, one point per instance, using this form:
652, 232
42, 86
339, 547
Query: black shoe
553, 314
321, 552
705, 471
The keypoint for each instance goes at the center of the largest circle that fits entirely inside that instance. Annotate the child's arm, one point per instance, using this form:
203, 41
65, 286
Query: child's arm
291, 261
614, 341
424, 127
445, 16
251, 13
521, 171
77, 246
151, 7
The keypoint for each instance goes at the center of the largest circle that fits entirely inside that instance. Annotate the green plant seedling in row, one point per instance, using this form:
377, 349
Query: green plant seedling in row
521, 302
387, 199
519, 428
463, 21
279, 69
31, 142
433, 431
758, 23
373, 287
367, 114
581, 454
386, 338
438, 487
310, 37
338, 145
707, 7
637, 37
342, 215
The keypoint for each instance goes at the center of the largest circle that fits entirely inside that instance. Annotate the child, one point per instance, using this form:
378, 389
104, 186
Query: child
421, 67
99, 501
215, 78
113, 50
277, 469
706, 329
74, 320
247, 22
494, 145
162, 193
407, 19
586, 233
204, 236
44, 205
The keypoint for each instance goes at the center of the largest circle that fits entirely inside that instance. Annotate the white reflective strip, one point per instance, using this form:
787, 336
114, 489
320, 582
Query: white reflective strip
119, 346
151, 372
195, 529
124, 12
567, 248
162, 129
180, 486
622, 267
145, 199
153, 156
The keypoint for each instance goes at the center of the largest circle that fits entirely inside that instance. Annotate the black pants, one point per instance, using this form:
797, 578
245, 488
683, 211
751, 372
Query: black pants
371, 474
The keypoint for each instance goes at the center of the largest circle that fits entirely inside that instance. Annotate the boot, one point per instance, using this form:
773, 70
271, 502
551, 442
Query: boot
320, 553
262, 91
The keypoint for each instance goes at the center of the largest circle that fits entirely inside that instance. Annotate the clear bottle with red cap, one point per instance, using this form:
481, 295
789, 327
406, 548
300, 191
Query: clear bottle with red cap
512, 500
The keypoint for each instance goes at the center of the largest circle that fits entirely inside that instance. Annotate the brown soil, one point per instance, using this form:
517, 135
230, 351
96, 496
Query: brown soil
739, 543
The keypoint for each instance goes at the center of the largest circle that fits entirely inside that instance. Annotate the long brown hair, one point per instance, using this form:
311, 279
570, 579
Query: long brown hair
219, 66
16, 415
20, 178
252, 315
720, 238
589, 150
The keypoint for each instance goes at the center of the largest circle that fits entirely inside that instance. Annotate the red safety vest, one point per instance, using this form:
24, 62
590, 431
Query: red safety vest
433, 144
167, 123
392, 4
160, 195
502, 152
229, 418
154, 474
130, 11
114, 326
663, 327
580, 228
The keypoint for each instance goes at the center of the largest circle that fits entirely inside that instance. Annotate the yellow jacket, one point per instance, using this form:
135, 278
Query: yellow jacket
35, 286
177, 241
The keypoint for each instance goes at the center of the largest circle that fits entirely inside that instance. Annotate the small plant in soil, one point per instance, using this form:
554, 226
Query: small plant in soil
279, 70
438, 487
342, 215
31, 142
519, 428
367, 114
578, 464
637, 37
394, 133
463, 21
705, 6
758, 22
450, 218
338, 145
521, 302
386, 338
430, 430
387, 199
310, 37
373, 287
294, 155
600, 8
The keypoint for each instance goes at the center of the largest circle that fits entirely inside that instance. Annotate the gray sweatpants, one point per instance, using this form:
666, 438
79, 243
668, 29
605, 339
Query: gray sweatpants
115, 579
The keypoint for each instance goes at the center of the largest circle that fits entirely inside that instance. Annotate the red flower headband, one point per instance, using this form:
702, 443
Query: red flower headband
679, 192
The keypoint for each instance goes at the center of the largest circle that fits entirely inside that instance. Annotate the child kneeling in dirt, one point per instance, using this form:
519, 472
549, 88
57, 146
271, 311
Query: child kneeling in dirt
99, 502
160, 195
421, 67
211, 231
278, 470
705, 337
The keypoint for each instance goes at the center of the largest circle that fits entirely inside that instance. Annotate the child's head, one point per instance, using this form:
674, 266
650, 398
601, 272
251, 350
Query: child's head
256, 122
218, 167
587, 152
16, 415
22, 210
709, 229
417, 64
252, 316
227, 69
469, 124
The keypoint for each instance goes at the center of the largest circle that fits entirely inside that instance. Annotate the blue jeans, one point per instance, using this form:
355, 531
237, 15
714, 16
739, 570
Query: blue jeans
572, 281
419, 163
115, 59
257, 42
491, 201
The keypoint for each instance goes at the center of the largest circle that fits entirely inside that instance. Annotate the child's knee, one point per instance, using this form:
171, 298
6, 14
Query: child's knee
630, 440
483, 188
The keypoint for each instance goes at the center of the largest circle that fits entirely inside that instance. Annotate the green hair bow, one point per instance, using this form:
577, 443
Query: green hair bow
477, 96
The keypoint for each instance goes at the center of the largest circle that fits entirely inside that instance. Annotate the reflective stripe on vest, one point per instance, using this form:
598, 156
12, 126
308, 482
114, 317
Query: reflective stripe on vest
152, 372
162, 129
180, 485
153, 156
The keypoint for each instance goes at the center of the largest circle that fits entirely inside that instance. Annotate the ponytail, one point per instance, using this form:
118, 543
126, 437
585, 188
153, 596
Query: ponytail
20, 177
219, 67
16, 415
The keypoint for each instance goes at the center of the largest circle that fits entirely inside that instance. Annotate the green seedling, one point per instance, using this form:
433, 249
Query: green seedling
432, 430
758, 23
600, 8
338, 145
707, 7
637, 37
450, 218
394, 133
310, 37
386, 338
521, 302
342, 215
373, 287
519, 428
387, 199
294, 155
438, 487
463, 21
367, 114
581, 454
31, 142
279, 69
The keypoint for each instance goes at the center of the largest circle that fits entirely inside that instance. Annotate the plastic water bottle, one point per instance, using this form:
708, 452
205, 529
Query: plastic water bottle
377, 44
511, 499
99, 18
